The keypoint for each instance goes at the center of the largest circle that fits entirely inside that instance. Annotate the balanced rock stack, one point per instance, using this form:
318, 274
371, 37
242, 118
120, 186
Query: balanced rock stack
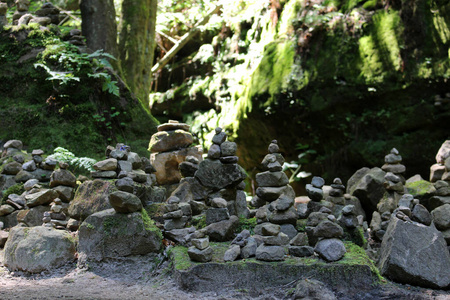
57, 216
243, 246
189, 166
170, 147
200, 251
440, 205
315, 193
3, 10
274, 245
48, 13
176, 214
324, 235
393, 164
63, 181
274, 189
75, 38
21, 10
441, 169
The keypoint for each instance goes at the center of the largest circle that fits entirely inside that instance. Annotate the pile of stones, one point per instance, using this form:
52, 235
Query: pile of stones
176, 214
169, 147
440, 208
47, 14
441, 169
3, 10
200, 251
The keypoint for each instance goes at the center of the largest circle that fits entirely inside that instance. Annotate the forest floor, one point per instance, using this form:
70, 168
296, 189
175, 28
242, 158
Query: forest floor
137, 278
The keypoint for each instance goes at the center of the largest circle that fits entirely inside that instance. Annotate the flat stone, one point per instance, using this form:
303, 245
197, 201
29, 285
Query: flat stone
317, 182
6, 209
17, 144
29, 166
176, 214
37, 152
393, 158
12, 168
104, 174
273, 147
301, 251
229, 159
109, 164
179, 223
280, 239
270, 253
63, 177
316, 194
232, 253
283, 203
328, 229
41, 198
273, 162
272, 179
273, 193
214, 215
396, 169
219, 203
219, 137
200, 244
173, 126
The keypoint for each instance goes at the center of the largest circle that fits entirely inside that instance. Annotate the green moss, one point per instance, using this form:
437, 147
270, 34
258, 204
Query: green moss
15, 189
301, 225
180, 258
199, 221
149, 224
248, 224
420, 188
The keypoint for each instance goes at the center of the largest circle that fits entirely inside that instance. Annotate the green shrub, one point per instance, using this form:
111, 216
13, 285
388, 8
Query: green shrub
15, 189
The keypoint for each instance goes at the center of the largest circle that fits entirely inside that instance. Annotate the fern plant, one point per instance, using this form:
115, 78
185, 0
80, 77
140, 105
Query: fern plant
78, 163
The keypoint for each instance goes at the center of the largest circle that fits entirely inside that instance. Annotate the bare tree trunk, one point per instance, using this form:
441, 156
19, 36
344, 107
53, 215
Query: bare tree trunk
137, 45
99, 25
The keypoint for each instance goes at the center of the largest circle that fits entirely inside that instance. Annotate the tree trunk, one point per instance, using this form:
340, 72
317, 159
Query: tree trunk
137, 44
99, 25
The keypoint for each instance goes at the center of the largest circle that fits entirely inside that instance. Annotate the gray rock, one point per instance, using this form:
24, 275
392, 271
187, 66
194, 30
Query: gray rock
421, 214
6, 209
219, 203
73, 224
317, 182
214, 152
179, 223
33, 216
135, 160
90, 197
441, 217
269, 229
232, 253
443, 152
197, 255
273, 193
328, 229
12, 168
348, 210
219, 137
280, 239
41, 198
228, 148
29, 166
108, 234
315, 218
214, 215
124, 202
312, 289
28, 185
63, 177
240, 204
200, 244
283, 217
173, 214
124, 166
270, 253
437, 201
17, 144
187, 169
125, 184
415, 254
37, 249
185, 208
164, 141
223, 230
272, 179
42, 175
330, 249
109, 164
273, 162
249, 250
436, 172
289, 230
3, 237
65, 193
406, 200
23, 176
367, 186
173, 125
179, 236
301, 251
283, 203
241, 238
214, 174
197, 207
104, 174
394, 168
273, 147
229, 159
301, 239
314, 193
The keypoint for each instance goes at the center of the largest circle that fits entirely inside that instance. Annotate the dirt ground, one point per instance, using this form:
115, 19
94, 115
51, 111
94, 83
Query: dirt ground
137, 278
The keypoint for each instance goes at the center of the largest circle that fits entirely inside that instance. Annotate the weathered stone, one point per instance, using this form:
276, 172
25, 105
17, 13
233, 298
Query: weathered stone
173, 125
33, 216
65, 193
436, 172
3, 237
229, 159
283, 203
314, 290
219, 137
29, 166
289, 230
214, 215
219, 203
232, 253
415, 254
73, 224
124, 166
228, 148
23, 176
330, 249
134, 160
273, 193
223, 230
367, 186
301, 239
272, 179
317, 182
393, 158
197, 255
273, 147
17, 144
108, 234
421, 214
6, 209
214, 174
280, 239
314, 193
167, 164
187, 169
284, 217
328, 229
41, 198
270, 253
273, 162
176, 214
124, 202
170, 224
200, 244
12, 168
443, 152
441, 217
437, 201
28, 185
125, 184
315, 218
241, 209
104, 174
63, 177
90, 197
164, 141
301, 251
249, 250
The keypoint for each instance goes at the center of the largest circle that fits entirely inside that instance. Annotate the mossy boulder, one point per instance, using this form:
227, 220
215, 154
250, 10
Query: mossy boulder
420, 189
38, 249
108, 235
91, 197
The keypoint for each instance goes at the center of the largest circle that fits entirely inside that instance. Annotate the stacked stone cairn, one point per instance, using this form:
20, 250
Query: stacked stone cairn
393, 164
440, 208
22, 7
200, 251
393, 182
75, 38
176, 214
47, 14
315, 193
169, 147
3, 10
441, 169
324, 234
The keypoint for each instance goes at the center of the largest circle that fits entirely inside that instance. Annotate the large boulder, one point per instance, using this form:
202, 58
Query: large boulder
367, 186
415, 254
63, 177
91, 197
108, 235
37, 249
214, 174
167, 164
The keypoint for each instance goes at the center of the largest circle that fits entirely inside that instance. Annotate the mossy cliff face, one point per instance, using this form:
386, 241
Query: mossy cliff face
78, 115
352, 79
